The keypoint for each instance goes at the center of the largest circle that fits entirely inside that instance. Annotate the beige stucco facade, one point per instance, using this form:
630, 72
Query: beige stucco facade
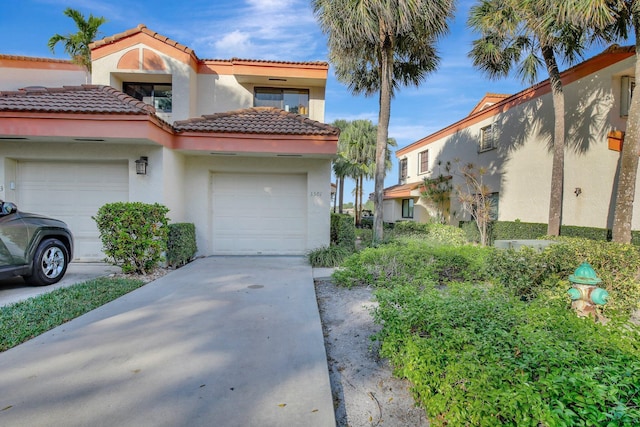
45, 153
519, 164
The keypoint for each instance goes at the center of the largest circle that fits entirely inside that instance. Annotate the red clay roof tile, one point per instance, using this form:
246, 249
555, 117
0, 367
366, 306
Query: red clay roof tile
257, 120
83, 99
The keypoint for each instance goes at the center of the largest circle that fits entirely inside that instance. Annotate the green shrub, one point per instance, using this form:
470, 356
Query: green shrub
134, 235
328, 256
528, 272
343, 231
411, 261
479, 356
516, 230
181, 244
434, 232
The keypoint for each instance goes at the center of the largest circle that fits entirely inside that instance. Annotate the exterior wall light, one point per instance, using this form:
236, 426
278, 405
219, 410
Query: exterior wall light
141, 165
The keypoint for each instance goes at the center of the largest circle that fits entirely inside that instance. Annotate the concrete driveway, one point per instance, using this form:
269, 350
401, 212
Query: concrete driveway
223, 341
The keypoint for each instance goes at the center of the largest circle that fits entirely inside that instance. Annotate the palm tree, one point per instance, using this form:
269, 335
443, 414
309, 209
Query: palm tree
609, 20
341, 166
525, 34
376, 46
77, 45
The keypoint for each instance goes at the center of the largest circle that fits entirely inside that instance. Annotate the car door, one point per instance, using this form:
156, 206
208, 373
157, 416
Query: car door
14, 238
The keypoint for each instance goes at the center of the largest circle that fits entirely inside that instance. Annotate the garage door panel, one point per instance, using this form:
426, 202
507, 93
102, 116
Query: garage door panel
73, 192
259, 214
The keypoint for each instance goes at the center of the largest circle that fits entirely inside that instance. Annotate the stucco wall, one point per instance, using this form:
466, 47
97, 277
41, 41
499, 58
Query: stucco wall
220, 93
520, 167
17, 78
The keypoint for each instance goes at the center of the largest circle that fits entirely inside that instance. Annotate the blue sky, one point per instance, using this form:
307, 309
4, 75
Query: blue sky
276, 30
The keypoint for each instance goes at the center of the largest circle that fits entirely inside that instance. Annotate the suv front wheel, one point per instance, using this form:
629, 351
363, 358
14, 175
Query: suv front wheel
49, 263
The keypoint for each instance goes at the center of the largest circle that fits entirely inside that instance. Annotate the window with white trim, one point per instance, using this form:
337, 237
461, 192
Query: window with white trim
403, 169
627, 85
487, 138
157, 95
407, 208
292, 100
424, 161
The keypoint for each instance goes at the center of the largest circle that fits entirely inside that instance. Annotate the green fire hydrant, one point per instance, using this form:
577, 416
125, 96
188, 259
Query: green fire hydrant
586, 296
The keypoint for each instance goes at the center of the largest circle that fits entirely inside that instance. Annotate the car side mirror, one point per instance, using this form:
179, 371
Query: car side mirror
7, 208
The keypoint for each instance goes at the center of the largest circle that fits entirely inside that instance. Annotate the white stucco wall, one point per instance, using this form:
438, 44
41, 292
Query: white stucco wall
16, 78
220, 93
520, 167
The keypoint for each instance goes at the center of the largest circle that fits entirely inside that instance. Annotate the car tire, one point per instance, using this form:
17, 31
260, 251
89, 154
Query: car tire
49, 263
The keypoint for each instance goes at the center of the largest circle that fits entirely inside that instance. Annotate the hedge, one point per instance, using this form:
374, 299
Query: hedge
181, 244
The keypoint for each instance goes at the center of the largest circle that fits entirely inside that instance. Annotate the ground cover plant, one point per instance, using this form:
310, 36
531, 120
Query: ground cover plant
487, 337
24, 320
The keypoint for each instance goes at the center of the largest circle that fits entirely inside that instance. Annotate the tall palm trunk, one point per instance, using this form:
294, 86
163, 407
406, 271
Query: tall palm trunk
359, 199
557, 169
386, 79
341, 199
626, 191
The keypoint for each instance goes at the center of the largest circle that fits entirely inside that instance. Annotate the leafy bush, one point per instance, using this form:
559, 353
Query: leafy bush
528, 272
181, 244
134, 234
517, 230
328, 256
434, 232
410, 261
480, 356
343, 231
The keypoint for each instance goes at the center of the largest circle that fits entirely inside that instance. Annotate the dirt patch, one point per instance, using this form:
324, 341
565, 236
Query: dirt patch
365, 393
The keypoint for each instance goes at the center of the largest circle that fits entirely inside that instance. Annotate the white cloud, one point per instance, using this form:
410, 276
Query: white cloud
235, 44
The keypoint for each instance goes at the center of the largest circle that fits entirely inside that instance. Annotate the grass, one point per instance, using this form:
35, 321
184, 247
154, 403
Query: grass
27, 319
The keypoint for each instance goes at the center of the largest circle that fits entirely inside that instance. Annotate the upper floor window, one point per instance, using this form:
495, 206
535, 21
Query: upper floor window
628, 84
292, 100
407, 208
487, 138
157, 95
424, 161
403, 168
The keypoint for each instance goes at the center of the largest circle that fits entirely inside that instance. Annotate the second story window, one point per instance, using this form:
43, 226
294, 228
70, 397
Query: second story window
403, 168
628, 85
292, 100
487, 138
157, 95
424, 161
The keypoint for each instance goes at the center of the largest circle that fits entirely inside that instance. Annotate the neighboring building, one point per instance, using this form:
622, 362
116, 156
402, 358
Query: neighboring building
511, 137
23, 71
236, 147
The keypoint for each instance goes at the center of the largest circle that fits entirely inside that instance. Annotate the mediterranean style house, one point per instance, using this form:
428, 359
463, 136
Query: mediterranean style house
236, 147
510, 136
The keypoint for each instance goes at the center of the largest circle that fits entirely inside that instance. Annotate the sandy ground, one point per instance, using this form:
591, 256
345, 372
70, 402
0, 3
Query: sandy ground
364, 391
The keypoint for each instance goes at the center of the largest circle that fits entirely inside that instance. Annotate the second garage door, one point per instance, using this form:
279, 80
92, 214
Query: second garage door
73, 192
254, 214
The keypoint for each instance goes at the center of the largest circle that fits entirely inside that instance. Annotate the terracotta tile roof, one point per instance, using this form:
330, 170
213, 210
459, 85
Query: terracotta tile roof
270, 61
263, 120
141, 28
73, 99
34, 59
401, 190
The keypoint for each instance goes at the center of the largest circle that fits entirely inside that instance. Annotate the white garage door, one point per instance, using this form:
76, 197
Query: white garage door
257, 214
73, 192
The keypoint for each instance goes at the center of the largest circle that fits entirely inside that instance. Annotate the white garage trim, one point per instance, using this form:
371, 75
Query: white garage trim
72, 192
258, 214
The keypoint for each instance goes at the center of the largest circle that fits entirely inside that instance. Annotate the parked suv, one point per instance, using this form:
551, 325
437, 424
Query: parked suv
33, 246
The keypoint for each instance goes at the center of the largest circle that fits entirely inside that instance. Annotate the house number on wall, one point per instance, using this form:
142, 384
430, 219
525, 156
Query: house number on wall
316, 194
